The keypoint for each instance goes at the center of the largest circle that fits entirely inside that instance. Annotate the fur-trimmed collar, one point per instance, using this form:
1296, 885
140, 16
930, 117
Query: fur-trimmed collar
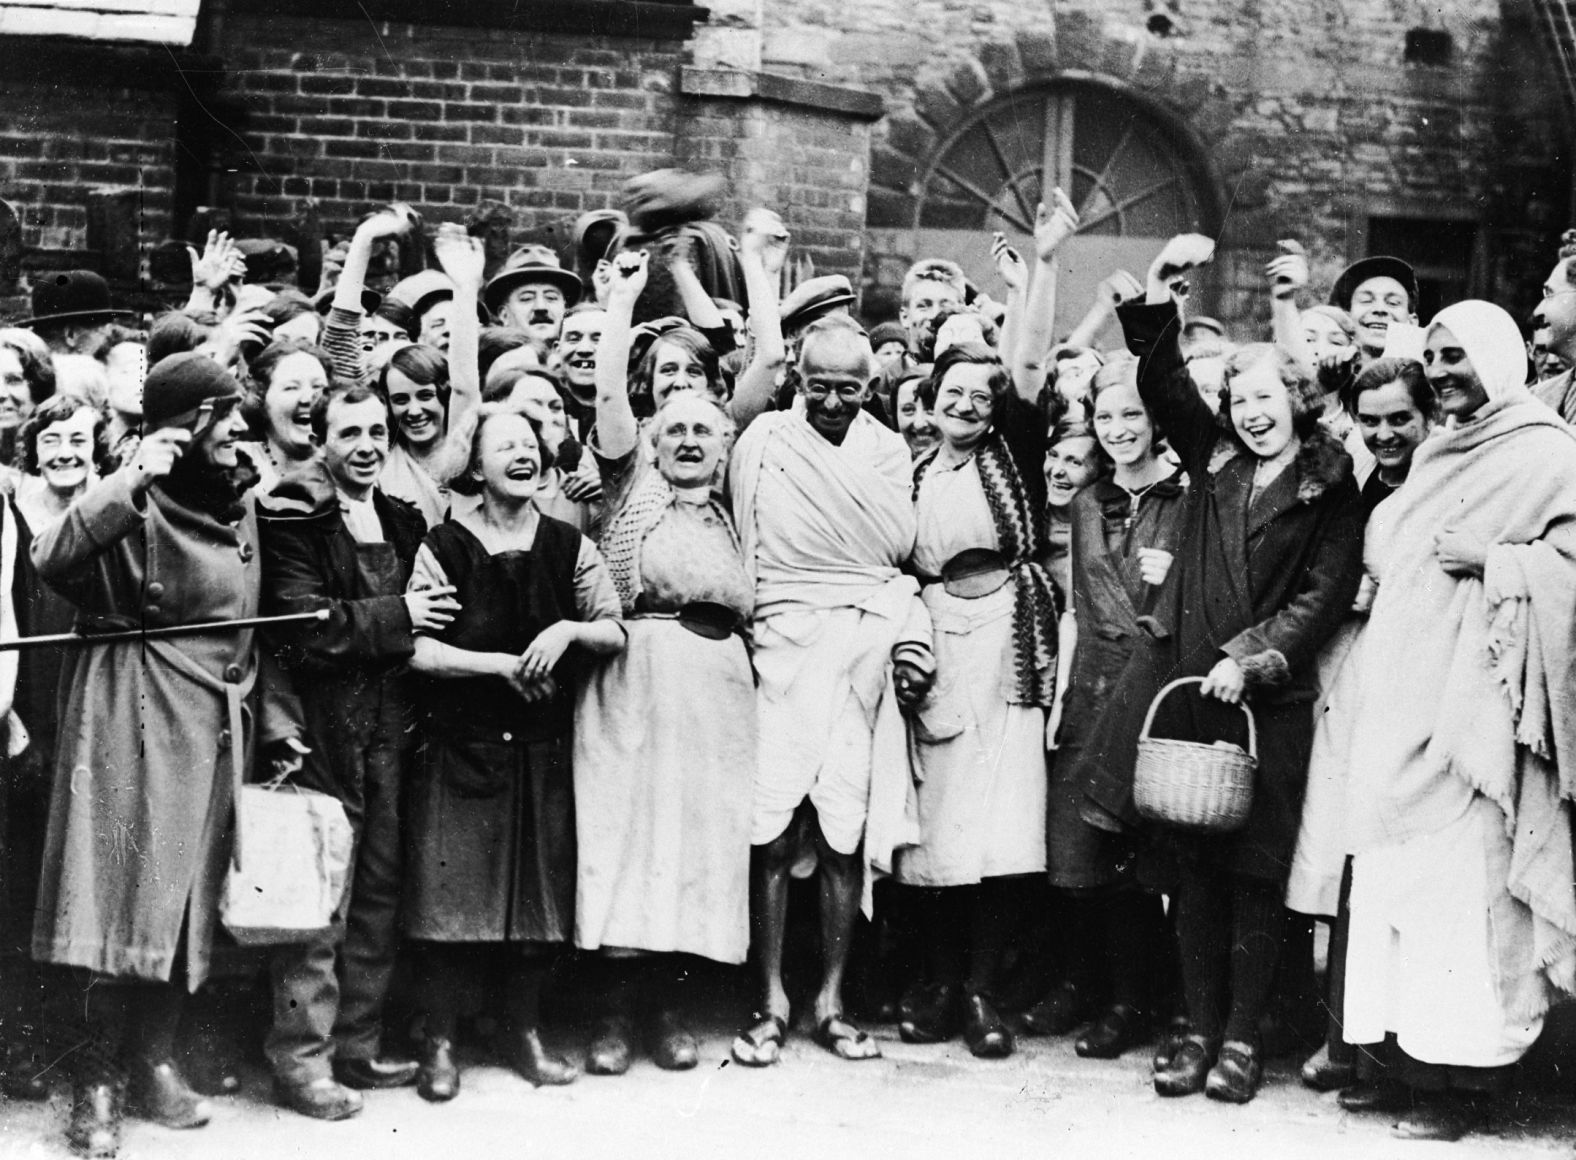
1321, 462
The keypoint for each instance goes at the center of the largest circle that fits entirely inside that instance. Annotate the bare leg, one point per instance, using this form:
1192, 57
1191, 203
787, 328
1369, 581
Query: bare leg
769, 866
842, 876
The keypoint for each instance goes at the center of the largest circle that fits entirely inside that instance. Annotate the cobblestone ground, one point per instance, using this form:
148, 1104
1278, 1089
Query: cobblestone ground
916, 1103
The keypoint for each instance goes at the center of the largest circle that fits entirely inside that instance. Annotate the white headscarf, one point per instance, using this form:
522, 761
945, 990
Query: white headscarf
1491, 339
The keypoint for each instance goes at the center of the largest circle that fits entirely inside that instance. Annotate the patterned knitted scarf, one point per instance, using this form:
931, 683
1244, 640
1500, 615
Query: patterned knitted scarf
1022, 542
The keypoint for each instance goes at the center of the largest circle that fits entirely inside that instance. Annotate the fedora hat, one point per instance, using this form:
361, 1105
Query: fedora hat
814, 298
79, 296
531, 264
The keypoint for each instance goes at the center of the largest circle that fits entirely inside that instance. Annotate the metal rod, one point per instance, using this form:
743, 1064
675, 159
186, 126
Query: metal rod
78, 639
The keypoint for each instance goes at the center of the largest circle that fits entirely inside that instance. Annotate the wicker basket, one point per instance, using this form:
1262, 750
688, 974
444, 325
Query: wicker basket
1190, 784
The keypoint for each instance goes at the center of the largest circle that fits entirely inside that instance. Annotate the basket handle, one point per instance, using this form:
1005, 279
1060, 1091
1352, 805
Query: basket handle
1149, 717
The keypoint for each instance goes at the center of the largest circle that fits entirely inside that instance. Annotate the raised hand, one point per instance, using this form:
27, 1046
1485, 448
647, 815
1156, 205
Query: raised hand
220, 262
391, 220
1169, 269
156, 455
1288, 273
630, 270
1009, 263
238, 328
431, 609
461, 256
1054, 224
765, 237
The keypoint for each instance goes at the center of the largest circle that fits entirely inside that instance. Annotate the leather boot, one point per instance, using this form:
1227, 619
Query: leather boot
611, 1049
672, 1047
95, 1120
540, 1066
159, 1093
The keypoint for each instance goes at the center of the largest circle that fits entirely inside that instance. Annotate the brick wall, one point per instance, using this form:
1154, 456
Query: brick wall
59, 140
1308, 113
335, 116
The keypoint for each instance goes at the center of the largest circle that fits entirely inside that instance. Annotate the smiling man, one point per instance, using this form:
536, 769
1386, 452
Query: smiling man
331, 539
1376, 292
821, 496
532, 291
1555, 321
575, 355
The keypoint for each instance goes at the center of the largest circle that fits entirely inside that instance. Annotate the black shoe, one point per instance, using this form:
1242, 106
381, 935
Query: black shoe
1324, 1074
930, 1016
1188, 1072
540, 1066
319, 1099
1171, 1041
373, 1074
95, 1121
611, 1048
1436, 1117
1237, 1073
1385, 1095
437, 1075
671, 1047
1121, 1028
158, 1093
1058, 1012
983, 1030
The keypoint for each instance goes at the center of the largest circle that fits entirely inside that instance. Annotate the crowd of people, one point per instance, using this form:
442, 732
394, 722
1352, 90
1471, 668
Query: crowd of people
643, 593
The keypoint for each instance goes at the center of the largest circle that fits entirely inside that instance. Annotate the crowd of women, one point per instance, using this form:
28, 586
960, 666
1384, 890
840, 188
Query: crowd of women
623, 621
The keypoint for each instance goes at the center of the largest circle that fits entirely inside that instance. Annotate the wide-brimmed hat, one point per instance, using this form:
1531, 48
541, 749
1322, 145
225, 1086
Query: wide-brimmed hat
1382, 266
531, 264
71, 296
814, 298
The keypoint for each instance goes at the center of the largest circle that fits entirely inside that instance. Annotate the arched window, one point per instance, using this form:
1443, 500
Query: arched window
1133, 179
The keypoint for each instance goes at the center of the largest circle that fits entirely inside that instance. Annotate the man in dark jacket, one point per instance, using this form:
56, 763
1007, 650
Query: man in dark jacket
332, 540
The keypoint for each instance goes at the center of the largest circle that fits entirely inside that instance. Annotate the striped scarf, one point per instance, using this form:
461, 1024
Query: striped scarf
1020, 537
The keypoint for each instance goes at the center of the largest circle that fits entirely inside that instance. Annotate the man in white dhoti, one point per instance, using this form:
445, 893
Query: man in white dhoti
822, 496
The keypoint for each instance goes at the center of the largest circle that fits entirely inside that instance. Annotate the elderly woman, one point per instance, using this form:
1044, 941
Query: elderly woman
1125, 528
490, 813
1462, 917
1267, 564
145, 769
979, 737
664, 735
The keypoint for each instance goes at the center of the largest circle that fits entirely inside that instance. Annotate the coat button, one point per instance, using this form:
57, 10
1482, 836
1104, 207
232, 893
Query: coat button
232, 673
224, 739
155, 590
246, 553
508, 736
152, 610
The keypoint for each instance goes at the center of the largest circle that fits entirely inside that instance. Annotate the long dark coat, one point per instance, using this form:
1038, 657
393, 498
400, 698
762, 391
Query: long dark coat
1266, 584
141, 815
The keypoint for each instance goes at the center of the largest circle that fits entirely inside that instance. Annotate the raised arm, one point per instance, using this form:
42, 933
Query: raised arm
342, 331
463, 259
219, 263
1052, 226
1014, 272
1288, 273
1114, 289
616, 429
698, 307
762, 251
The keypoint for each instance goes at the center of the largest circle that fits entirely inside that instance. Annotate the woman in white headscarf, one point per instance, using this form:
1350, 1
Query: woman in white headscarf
1463, 921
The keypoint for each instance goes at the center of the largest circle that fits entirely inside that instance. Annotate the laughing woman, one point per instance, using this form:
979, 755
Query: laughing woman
979, 737
1463, 926
490, 817
285, 380
1267, 564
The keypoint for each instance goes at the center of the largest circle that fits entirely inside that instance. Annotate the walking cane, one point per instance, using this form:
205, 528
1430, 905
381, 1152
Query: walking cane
80, 639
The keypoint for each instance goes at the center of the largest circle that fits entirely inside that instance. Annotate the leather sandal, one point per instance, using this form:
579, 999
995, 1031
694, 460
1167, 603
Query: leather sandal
761, 1043
1121, 1028
1237, 1073
844, 1040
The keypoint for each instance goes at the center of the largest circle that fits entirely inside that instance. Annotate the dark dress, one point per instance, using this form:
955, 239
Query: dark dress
1108, 596
490, 824
1265, 581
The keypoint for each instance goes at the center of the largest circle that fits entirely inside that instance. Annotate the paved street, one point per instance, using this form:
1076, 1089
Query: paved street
918, 1102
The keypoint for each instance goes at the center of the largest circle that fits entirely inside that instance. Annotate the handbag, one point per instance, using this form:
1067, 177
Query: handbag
297, 846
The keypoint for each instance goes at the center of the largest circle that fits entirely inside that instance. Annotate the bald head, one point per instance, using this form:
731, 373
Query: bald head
837, 340
836, 366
